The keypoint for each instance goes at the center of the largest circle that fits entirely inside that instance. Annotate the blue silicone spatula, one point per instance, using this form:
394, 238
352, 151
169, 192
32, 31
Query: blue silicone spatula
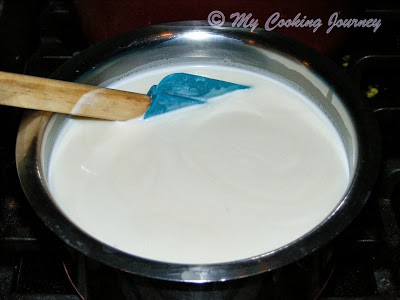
174, 91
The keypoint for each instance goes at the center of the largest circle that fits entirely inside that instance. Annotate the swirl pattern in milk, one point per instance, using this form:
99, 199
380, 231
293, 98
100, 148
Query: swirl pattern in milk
245, 174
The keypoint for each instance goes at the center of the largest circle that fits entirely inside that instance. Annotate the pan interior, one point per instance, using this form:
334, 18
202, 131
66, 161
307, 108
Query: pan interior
260, 197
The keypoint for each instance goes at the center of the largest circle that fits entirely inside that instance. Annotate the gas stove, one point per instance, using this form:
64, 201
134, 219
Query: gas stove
364, 262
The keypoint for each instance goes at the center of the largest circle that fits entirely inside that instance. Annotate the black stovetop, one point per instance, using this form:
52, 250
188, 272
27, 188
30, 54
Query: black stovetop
35, 264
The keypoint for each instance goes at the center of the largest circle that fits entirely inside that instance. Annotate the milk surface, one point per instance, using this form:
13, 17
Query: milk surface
245, 174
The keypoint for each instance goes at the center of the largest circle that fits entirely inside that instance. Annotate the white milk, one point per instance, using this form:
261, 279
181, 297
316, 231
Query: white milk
247, 173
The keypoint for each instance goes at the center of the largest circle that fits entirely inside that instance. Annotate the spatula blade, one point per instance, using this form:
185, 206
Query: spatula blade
180, 90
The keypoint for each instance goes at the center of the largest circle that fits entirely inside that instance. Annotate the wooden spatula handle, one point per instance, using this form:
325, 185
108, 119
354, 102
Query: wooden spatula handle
70, 98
